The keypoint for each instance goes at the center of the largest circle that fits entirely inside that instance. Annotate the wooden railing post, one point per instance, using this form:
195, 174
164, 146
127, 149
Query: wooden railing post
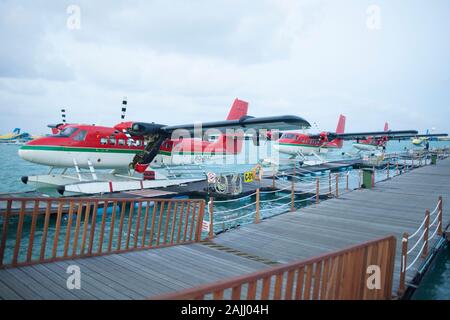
439, 232
426, 233
198, 233
257, 217
317, 190
403, 261
337, 185
211, 217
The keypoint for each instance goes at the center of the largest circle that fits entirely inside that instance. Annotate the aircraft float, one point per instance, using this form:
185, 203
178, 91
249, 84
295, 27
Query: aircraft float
135, 150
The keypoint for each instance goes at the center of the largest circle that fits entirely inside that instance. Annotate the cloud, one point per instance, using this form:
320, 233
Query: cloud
179, 61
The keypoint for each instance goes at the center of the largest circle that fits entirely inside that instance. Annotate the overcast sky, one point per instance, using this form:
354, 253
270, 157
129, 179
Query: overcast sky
183, 61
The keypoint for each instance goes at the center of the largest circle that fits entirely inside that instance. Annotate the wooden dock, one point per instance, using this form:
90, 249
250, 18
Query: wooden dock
393, 207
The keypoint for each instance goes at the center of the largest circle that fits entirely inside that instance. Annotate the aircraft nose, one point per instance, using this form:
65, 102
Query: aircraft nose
25, 154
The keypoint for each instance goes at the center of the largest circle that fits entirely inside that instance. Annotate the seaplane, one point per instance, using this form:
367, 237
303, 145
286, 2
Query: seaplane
421, 139
15, 137
137, 152
302, 145
372, 144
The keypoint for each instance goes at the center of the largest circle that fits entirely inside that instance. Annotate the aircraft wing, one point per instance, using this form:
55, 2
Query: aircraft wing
364, 135
374, 134
287, 122
409, 136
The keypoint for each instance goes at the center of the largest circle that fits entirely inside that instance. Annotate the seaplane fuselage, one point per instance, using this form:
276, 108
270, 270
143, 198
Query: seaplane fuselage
294, 143
297, 143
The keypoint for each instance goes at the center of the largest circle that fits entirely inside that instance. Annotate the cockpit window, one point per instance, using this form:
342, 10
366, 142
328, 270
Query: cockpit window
80, 136
66, 132
289, 136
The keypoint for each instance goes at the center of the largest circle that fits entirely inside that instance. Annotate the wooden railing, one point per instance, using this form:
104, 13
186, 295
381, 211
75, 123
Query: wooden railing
417, 249
37, 230
340, 275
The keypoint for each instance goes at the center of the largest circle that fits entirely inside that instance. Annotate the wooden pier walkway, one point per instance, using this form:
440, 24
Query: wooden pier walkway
393, 207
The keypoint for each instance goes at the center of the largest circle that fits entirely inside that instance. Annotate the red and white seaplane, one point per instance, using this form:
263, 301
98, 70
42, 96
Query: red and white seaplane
135, 151
303, 145
372, 143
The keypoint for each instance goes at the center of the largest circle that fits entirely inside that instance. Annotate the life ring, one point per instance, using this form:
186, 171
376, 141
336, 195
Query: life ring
257, 172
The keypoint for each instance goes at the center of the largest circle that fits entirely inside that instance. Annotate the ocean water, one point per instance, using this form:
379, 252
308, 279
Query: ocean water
435, 286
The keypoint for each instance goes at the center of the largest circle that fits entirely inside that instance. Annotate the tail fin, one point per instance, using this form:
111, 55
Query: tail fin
386, 126
238, 110
341, 124
339, 129
232, 144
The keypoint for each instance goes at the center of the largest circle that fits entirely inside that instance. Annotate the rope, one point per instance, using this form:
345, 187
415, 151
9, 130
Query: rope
435, 231
415, 245
270, 200
418, 229
235, 199
235, 219
434, 221
273, 191
235, 209
435, 209
417, 257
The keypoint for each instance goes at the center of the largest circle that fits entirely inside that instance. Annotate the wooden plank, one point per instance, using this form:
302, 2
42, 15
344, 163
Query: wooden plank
45, 231
19, 233
77, 228
111, 226
5, 230
68, 229
32, 230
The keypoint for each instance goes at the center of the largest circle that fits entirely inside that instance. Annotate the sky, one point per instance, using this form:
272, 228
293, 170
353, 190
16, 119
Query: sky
182, 61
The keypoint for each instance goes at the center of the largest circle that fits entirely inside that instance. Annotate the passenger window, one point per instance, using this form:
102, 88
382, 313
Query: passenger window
103, 141
129, 142
80, 136
121, 142
112, 141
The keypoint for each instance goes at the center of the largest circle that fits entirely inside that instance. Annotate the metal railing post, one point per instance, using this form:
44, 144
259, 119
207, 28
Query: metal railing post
439, 232
403, 259
317, 190
257, 217
346, 181
405, 168
426, 232
273, 179
337, 185
373, 176
211, 214
388, 169
292, 195
329, 183
396, 168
